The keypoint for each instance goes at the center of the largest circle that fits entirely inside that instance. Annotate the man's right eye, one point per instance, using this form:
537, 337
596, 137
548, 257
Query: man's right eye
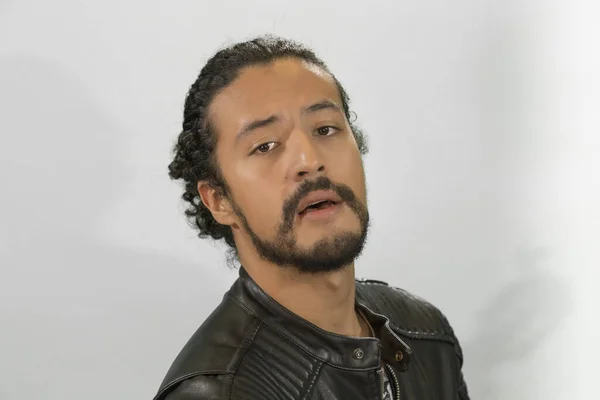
264, 148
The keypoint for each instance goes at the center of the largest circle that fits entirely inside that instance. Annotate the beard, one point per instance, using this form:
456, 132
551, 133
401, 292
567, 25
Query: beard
328, 254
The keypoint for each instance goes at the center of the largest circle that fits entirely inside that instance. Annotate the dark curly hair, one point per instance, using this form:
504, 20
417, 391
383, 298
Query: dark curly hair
194, 153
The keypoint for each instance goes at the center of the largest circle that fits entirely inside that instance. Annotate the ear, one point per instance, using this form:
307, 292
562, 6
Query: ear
218, 204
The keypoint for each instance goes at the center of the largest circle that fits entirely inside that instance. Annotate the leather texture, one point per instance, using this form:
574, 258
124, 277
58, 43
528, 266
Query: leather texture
252, 348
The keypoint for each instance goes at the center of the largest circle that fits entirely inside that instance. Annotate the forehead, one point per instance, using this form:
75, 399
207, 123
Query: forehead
260, 91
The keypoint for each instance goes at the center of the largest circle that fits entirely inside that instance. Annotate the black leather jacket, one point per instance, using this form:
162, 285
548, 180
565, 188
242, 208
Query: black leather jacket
252, 348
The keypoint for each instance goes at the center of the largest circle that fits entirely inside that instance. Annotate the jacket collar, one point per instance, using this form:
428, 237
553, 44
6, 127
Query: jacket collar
357, 353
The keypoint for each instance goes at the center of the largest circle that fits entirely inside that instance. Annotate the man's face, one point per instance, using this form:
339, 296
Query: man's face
284, 143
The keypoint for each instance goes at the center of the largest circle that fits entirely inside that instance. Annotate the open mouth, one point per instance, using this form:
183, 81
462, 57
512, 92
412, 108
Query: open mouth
316, 206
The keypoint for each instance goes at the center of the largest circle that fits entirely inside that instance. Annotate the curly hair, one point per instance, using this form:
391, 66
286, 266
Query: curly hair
194, 153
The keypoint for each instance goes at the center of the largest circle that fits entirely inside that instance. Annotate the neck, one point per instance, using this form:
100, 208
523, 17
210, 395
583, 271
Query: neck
327, 300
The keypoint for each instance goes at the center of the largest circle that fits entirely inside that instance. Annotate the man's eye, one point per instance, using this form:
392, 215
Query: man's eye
326, 130
264, 148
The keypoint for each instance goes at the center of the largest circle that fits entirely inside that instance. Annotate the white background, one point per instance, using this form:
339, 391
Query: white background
482, 177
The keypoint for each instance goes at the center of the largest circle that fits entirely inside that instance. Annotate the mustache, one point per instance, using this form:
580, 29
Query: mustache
321, 183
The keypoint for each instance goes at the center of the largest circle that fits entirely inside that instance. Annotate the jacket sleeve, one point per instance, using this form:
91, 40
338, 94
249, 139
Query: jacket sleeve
201, 387
463, 393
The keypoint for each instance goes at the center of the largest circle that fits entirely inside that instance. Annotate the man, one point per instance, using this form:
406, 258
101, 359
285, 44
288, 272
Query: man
272, 164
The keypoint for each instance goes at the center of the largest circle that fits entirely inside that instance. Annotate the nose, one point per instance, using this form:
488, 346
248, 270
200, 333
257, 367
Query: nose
307, 161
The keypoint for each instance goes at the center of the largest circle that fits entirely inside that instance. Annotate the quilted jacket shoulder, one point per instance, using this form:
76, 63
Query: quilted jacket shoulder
410, 315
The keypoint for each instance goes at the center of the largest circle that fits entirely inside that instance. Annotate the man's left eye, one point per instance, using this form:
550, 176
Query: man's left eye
326, 130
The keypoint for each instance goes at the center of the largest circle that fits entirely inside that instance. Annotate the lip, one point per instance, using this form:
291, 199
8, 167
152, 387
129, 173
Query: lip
317, 196
323, 215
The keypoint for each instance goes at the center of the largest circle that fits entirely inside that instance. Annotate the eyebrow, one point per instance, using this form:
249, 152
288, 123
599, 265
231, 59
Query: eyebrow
261, 123
322, 105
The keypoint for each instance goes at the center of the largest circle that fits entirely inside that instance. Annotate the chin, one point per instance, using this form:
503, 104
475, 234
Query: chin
311, 241
341, 248
318, 249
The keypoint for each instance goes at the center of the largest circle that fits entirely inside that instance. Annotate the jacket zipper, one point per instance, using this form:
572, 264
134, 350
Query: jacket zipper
395, 379
381, 372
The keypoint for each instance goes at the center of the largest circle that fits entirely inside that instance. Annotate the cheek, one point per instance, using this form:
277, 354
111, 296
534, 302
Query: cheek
257, 198
351, 165
361, 190
252, 191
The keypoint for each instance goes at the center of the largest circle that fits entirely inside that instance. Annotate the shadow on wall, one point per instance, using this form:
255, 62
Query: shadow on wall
72, 307
499, 360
